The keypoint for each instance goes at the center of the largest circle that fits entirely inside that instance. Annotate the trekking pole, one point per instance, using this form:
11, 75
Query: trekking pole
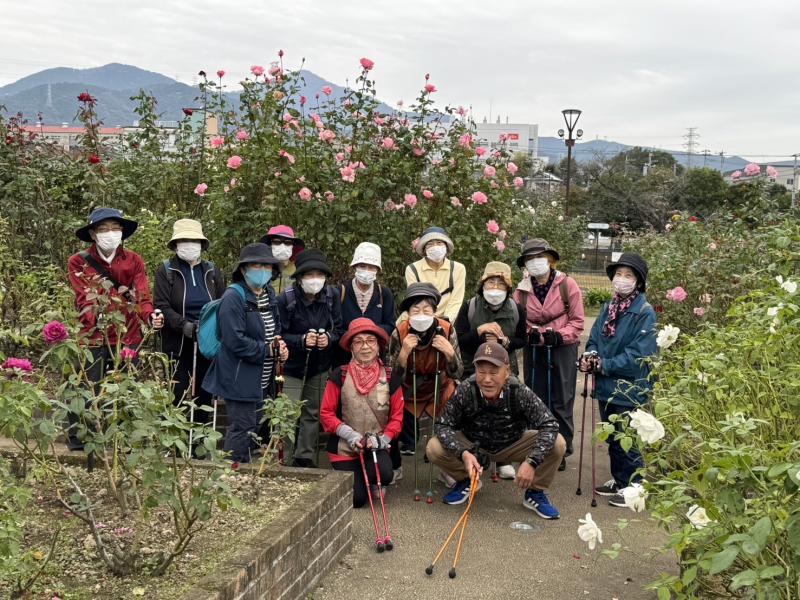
277, 379
472, 491
594, 484
387, 538
531, 380
302, 389
194, 395
379, 545
549, 376
319, 406
429, 498
461, 519
585, 392
417, 495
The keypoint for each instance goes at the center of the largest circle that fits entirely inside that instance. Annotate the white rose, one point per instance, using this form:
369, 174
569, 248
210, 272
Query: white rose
634, 496
789, 286
697, 516
647, 426
702, 377
667, 336
772, 311
589, 532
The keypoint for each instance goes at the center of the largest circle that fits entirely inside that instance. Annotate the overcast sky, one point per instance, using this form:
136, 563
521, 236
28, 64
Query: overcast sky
641, 71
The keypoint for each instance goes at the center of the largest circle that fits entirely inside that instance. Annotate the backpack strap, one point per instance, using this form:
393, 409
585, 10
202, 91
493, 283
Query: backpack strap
105, 274
564, 295
414, 271
170, 274
450, 283
471, 310
341, 299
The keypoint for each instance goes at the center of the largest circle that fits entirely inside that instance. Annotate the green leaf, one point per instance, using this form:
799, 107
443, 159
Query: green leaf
770, 572
742, 579
761, 531
724, 559
664, 594
626, 443
777, 470
689, 575
793, 533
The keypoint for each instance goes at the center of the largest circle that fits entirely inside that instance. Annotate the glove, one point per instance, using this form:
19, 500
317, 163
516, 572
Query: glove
534, 337
552, 338
190, 329
349, 435
378, 441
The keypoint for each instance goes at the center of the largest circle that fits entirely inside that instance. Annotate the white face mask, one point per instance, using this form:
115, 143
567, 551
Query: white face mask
188, 251
495, 297
108, 241
436, 253
282, 251
313, 285
537, 266
421, 323
623, 286
365, 277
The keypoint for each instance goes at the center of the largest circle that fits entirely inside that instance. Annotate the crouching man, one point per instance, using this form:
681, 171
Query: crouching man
493, 417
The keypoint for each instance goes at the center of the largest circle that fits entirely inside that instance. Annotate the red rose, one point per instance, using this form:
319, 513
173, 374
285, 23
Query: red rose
94, 159
9, 139
86, 97
280, 53
188, 112
658, 308
693, 219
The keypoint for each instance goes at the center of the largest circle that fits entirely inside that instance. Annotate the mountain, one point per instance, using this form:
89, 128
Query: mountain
53, 93
583, 152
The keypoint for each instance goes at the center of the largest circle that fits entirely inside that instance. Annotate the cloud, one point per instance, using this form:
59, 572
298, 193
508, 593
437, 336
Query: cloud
641, 72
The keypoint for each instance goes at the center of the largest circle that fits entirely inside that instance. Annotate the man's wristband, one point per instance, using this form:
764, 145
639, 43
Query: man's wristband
531, 462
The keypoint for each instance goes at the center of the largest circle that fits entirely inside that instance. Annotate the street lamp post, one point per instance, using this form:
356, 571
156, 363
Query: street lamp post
571, 116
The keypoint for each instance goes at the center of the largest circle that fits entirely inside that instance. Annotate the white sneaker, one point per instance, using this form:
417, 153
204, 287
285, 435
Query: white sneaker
506, 472
448, 481
398, 475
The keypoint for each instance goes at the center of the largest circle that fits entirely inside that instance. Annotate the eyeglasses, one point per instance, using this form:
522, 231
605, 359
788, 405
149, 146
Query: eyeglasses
365, 342
107, 228
496, 284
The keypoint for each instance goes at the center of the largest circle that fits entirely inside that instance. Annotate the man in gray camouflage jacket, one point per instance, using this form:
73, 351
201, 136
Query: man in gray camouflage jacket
493, 417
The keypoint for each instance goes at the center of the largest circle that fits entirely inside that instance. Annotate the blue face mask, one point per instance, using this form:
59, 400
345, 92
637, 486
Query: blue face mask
257, 278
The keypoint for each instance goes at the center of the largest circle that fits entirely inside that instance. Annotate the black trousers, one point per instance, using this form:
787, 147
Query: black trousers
556, 388
354, 466
182, 378
243, 418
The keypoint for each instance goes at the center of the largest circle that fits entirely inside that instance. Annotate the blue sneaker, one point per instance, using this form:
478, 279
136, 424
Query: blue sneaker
537, 501
460, 492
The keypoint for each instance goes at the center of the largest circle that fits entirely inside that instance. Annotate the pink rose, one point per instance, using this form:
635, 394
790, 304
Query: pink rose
480, 151
479, 198
379, 120
348, 174
242, 135
226, 188
489, 171
712, 246
430, 88
500, 245
427, 194
465, 140
387, 143
234, 162
677, 294
367, 64
305, 194
410, 200
502, 234
303, 100
287, 156
455, 201
772, 172
736, 175
502, 137
327, 90
54, 332
518, 182
340, 157
699, 311
257, 70
492, 226
216, 141
128, 354
20, 364
752, 169
221, 73
234, 182
330, 196
417, 151
326, 135
512, 168
388, 205
275, 70
200, 189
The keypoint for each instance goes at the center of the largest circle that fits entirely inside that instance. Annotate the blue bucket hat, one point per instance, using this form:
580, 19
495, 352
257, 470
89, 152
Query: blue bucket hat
103, 214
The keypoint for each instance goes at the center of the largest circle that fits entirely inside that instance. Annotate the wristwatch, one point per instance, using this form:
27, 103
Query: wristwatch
530, 461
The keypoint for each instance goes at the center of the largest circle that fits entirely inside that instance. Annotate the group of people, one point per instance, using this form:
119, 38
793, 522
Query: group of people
368, 370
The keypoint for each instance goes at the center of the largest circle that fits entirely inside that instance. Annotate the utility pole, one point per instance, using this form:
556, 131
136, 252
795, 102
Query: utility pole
706, 152
690, 144
649, 165
794, 181
721, 161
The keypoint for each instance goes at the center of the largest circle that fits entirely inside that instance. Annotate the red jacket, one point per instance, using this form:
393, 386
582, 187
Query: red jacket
128, 269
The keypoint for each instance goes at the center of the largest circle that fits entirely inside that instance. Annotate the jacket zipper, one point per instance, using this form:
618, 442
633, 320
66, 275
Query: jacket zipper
183, 307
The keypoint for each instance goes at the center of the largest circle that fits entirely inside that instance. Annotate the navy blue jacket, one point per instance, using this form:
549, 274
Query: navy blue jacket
625, 378
323, 312
381, 310
235, 373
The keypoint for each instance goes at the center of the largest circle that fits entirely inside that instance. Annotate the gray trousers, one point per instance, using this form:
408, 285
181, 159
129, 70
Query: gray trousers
303, 453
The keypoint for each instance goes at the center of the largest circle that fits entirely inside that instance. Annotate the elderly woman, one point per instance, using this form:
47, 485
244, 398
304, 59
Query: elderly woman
184, 284
623, 336
554, 316
362, 398
243, 369
285, 247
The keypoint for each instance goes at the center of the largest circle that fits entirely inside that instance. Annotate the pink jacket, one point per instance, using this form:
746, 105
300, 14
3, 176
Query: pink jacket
551, 314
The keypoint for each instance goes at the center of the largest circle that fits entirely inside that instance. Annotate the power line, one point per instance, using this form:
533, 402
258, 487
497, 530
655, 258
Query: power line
690, 144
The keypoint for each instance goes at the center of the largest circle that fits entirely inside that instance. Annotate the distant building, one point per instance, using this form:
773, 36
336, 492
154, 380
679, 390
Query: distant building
786, 176
68, 138
517, 137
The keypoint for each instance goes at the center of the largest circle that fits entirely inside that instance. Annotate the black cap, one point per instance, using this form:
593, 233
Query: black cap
255, 253
635, 262
417, 291
534, 247
311, 259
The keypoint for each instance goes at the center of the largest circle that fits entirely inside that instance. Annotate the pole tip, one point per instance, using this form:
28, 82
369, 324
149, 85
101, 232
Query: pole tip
379, 547
417, 497
429, 570
594, 502
452, 573
429, 499
578, 492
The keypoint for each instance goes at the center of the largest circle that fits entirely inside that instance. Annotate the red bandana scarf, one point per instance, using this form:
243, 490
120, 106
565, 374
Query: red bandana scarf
616, 308
365, 377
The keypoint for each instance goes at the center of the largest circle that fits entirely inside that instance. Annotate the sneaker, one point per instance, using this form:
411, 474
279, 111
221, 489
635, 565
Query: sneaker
537, 501
446, 479
609, 488
506, 471
460, 492
617, 500
398, 475
406, 450
563, 465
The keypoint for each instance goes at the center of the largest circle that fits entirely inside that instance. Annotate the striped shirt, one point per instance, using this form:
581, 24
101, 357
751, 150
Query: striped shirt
269, 334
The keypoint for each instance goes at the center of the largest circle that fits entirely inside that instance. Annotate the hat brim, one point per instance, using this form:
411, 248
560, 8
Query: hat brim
410, 301
347, 339
313, 265
498, 362
423, 241
276, 267
296, 241
640, 278
173, 242
536, 252
128, 229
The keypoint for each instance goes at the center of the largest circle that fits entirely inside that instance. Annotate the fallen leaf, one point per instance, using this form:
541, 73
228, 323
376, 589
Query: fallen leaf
37, 555
138, 591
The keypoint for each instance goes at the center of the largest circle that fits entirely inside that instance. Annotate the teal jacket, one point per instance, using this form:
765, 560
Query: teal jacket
625, 379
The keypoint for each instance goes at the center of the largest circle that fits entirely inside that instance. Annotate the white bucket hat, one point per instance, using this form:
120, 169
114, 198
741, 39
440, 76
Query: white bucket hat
367, 253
